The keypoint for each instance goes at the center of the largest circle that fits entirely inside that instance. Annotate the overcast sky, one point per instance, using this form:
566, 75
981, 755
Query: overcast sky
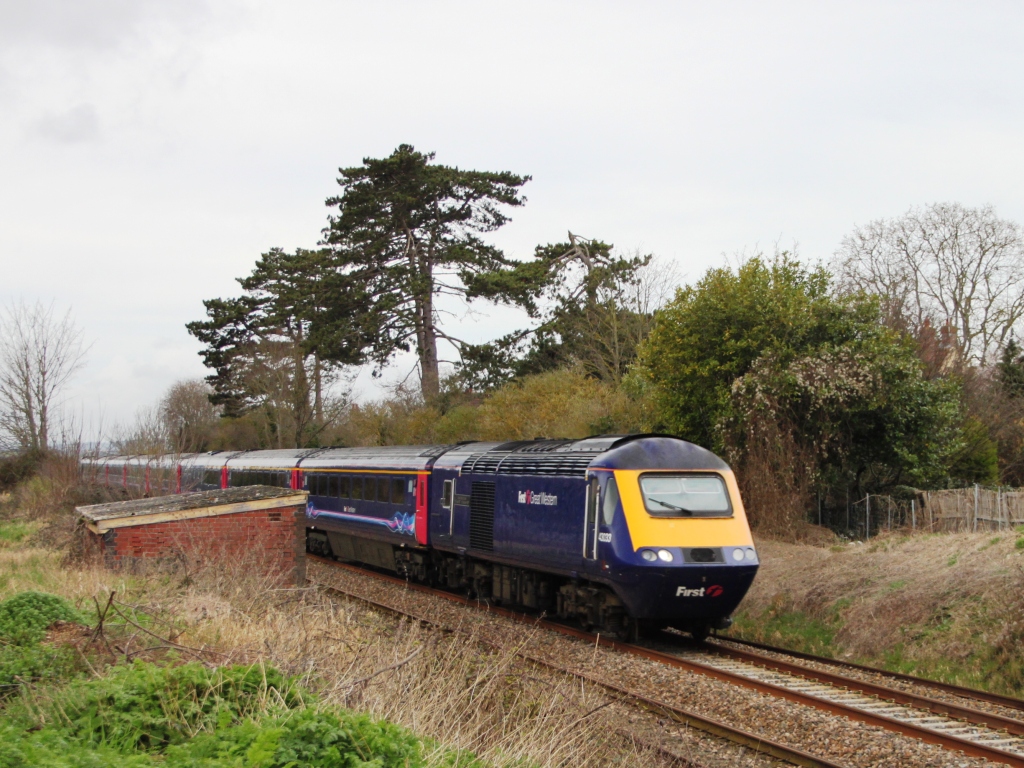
150, 151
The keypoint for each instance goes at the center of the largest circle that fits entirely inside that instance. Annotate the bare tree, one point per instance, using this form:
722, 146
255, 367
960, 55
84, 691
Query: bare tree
145, 436
619, 318
945, 264
39, 353
188, 416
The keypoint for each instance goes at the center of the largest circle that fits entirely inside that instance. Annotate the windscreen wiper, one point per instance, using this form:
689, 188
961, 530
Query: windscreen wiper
671, 506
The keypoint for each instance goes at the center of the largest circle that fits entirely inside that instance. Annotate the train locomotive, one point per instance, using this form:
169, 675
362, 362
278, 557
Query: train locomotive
623, 533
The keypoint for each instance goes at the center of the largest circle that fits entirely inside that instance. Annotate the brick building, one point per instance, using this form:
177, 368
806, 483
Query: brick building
255, 526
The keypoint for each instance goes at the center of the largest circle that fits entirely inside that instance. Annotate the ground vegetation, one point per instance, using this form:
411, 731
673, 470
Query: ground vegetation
945, 606
212, 664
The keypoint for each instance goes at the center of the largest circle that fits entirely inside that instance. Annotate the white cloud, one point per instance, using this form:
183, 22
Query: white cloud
76, 125
89, 24
689, 129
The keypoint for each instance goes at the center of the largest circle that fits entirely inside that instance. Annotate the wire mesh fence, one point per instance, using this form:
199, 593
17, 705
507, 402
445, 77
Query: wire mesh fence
955, 510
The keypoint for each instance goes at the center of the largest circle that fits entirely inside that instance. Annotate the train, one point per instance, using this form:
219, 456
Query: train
623, 534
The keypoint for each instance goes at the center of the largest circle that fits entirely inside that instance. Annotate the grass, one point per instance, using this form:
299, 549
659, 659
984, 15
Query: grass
463, 702
15, 532
894, 606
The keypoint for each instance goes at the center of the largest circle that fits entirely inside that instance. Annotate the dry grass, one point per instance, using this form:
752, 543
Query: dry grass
949, 605
446, 686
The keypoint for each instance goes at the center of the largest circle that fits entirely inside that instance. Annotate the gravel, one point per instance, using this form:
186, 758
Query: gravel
880, 678
836, 738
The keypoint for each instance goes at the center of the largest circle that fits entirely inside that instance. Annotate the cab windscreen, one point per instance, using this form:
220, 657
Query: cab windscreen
686, 495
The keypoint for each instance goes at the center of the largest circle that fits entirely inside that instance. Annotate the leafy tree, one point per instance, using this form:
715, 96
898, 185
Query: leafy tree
856, 407
406, 232
593, 309
767, 353
277, 347
1010, 369
712, 333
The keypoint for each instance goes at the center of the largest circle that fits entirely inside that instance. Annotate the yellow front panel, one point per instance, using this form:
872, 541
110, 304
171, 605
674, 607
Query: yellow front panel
648, 531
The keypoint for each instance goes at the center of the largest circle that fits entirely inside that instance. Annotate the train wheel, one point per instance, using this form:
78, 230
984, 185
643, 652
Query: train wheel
635, 630
700, 632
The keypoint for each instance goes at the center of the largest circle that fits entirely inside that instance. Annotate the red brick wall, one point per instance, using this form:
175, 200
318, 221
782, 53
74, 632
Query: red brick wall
271, 540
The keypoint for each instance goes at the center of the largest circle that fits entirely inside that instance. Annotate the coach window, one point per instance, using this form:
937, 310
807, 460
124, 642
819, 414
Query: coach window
610, 501
211, 477
384, 489
398, 491
332, 485
357, 488
446, 494
343, 487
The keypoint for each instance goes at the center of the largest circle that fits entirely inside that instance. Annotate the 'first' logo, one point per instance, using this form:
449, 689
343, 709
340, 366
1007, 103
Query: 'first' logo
713, 591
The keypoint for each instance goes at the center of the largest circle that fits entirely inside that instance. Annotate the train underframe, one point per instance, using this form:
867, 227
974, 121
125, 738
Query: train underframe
593, 606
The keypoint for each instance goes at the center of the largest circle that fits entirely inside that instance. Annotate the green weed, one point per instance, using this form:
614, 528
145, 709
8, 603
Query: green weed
190, 716
793, 630
14, 532
1020, 543
990, 543
25, 617
953, 560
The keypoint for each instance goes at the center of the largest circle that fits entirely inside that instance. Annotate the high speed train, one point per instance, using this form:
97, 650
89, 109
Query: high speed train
623, 533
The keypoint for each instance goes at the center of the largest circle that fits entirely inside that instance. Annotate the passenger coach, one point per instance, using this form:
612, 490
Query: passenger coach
622, 533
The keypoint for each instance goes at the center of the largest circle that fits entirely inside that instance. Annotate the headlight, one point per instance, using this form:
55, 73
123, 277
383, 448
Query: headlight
750, 554
737, 555
648, 555
665, 555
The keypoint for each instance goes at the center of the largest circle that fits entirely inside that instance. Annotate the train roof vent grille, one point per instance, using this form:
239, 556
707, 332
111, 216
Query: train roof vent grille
483, 462
565, 465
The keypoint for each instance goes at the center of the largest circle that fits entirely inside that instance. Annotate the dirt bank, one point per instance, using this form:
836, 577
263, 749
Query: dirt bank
947, 606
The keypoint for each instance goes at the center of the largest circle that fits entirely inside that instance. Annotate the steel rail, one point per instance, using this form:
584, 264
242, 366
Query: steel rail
974, 716
685, 717
967, 693
947, 741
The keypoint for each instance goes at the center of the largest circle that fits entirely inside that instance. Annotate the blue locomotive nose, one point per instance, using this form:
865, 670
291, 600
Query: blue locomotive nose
690, 591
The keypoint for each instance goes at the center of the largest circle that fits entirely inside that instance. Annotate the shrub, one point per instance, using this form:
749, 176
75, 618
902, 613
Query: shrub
16, 467
143, 706
21, 664
191, 716
25, 617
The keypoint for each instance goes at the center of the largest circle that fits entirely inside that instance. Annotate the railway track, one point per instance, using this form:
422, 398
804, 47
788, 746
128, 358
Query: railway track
960, 728
971, 694
955, 726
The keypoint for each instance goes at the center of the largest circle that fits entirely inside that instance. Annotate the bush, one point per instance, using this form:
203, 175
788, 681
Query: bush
192, 717
25, 617
20, 664
16, 467
143, 706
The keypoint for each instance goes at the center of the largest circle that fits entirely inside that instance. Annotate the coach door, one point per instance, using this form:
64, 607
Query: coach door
591, 521
448, 507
